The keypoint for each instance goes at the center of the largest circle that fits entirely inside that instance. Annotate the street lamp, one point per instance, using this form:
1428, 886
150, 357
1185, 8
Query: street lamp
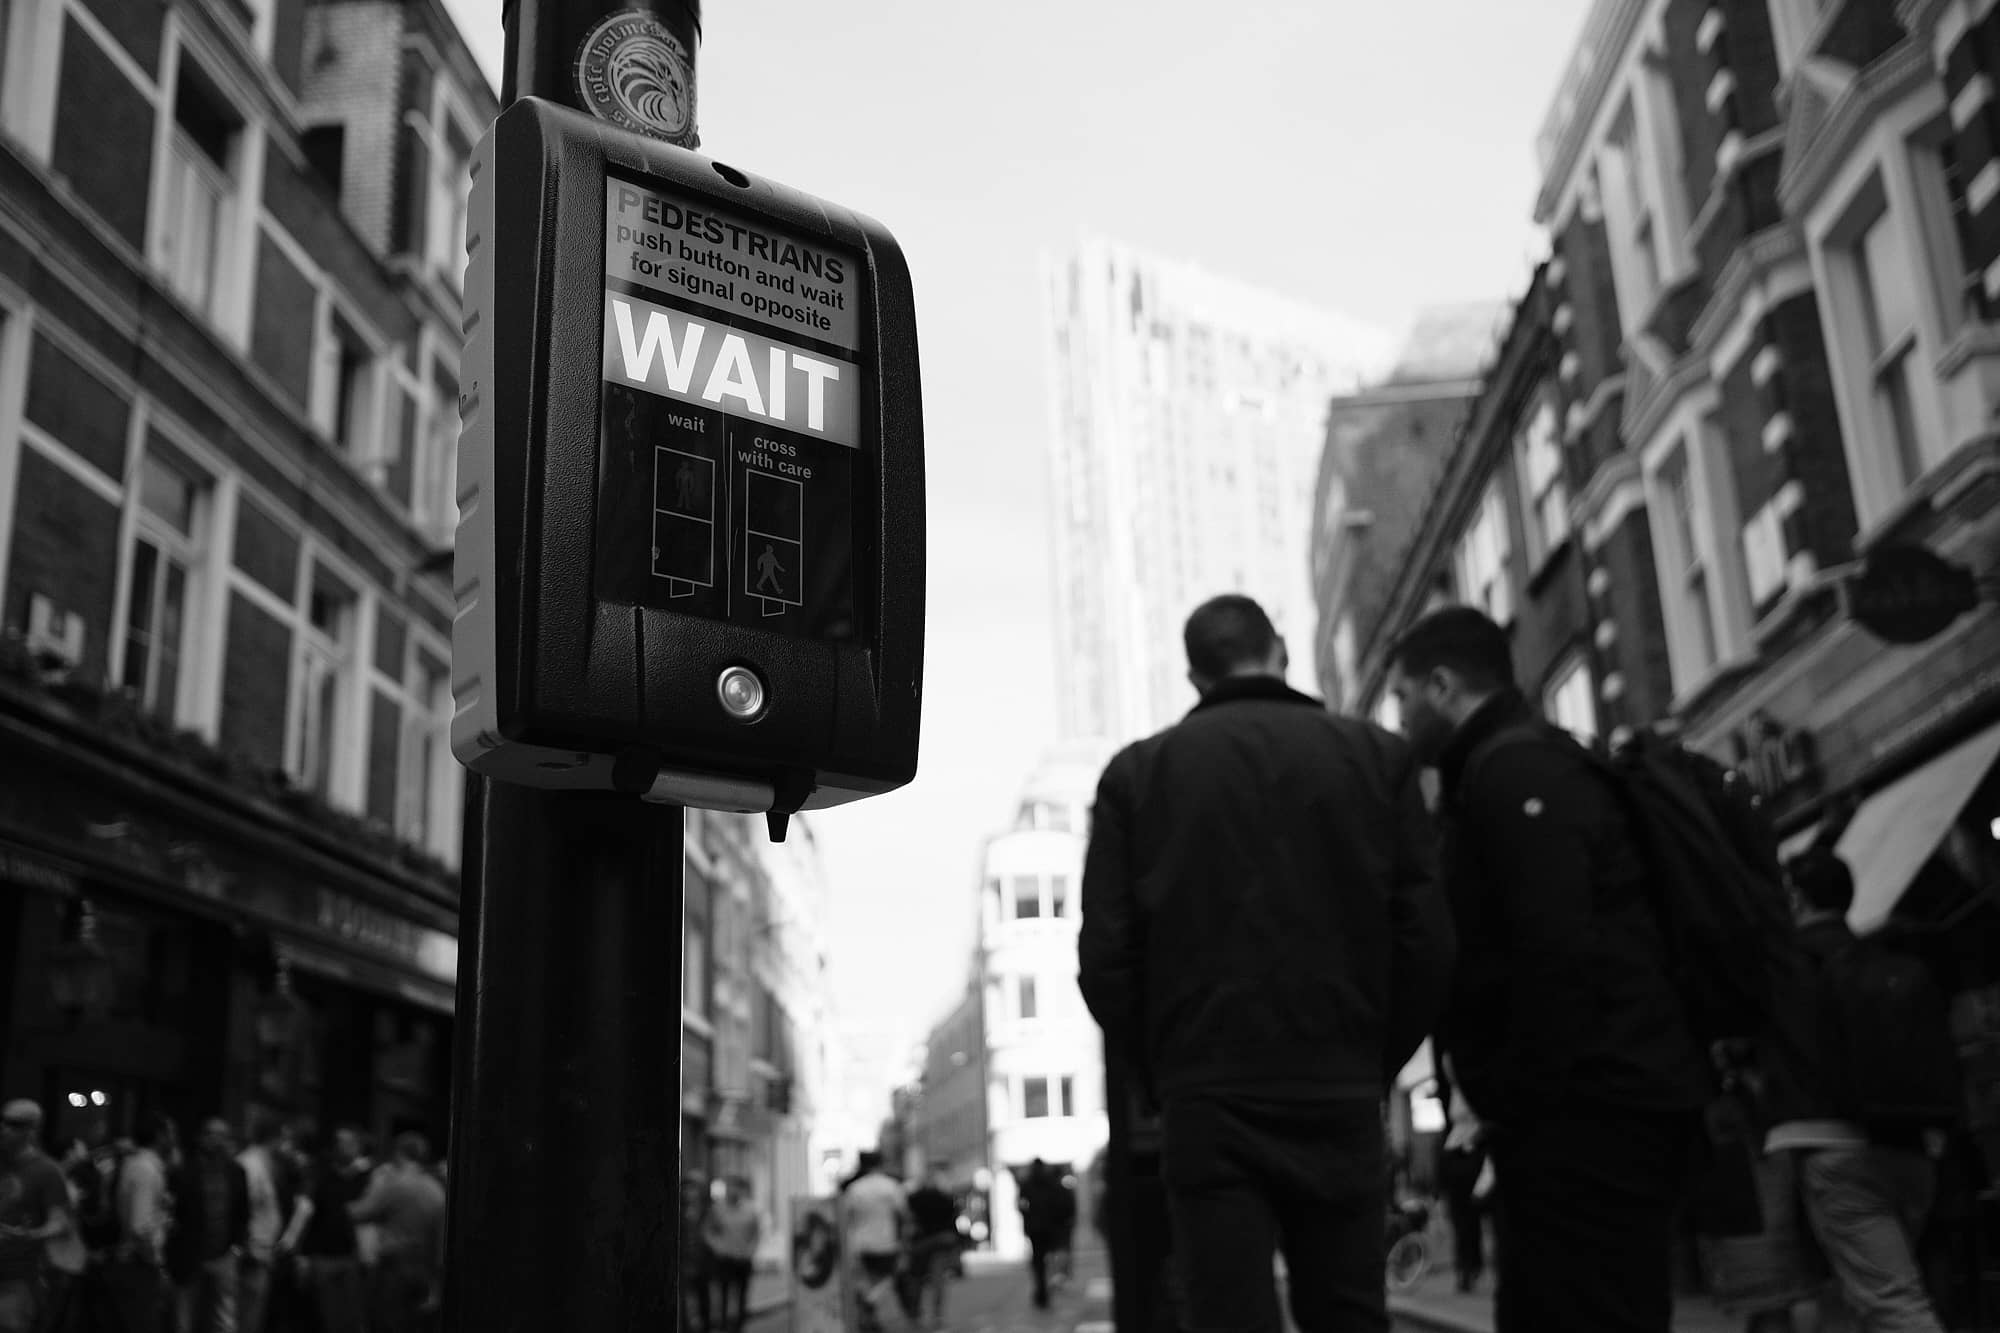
82, 977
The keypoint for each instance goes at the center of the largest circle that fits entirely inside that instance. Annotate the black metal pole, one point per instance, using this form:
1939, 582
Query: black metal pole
565, 1144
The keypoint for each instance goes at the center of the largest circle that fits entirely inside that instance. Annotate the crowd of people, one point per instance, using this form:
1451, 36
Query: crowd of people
1640, 1015
282, 1233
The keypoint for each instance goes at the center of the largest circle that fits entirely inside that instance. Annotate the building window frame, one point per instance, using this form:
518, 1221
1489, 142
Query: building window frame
1483, 557
31, 37
427, 778
217, 288
1691, 505
1538, 462
352, 373
1885, 378
326, 711
1646, 218
1794, 25
449, 189
193, 551
1569, 698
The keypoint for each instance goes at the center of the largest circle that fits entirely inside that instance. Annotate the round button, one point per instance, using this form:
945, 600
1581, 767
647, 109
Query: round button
741, 692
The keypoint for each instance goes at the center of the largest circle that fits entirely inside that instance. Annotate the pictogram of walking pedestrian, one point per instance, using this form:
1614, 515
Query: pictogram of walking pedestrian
768, 570
773, 547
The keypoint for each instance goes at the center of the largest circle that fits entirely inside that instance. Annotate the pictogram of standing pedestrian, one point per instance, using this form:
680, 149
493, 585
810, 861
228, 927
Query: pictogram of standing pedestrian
768, 570
684, 488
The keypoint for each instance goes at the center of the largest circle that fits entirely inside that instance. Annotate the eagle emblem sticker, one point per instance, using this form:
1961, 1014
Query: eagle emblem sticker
632, 71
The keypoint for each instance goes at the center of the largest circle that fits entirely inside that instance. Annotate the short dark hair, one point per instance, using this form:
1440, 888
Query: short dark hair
412, 1146
1462, 638
1226, 633
1822, 879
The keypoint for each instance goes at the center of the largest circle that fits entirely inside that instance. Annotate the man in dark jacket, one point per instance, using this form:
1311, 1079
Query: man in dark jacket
211, 1229
1263, 934
1867, 1187
1564, 1037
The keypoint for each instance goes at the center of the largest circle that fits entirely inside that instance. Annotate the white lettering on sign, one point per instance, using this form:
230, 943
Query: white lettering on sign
745, 374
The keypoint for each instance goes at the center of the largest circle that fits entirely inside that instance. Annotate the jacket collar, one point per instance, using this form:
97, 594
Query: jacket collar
1268, 688
1504, 709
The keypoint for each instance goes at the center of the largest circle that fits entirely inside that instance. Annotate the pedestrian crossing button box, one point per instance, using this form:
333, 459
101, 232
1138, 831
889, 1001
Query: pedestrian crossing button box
690, 553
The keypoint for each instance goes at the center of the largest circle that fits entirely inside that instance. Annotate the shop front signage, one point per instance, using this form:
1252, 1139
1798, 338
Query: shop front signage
1780, 762
1908, 594
31, 871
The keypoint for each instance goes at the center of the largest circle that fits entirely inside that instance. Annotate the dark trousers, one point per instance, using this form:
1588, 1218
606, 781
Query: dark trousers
1039, 1250
732, 1293
695, 1308
134, 1297
1246, 1180
1586, 1219
1468, 1232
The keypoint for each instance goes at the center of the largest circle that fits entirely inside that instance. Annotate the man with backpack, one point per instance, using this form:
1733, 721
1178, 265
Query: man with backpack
1566, 1034
1860, 1076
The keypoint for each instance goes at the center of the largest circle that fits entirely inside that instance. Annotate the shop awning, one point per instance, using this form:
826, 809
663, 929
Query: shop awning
380, 978
1797, 843
1896, 830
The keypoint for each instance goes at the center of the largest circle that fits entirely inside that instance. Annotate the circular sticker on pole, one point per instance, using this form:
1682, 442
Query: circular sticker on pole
632, 71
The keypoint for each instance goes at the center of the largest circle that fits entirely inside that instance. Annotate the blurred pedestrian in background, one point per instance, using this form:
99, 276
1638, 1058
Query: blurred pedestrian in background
732, 1230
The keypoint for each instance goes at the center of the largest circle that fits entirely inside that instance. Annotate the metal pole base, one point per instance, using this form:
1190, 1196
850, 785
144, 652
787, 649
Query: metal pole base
565, 1152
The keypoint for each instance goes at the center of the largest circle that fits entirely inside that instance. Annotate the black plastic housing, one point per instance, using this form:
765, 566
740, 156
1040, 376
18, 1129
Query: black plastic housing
558, 686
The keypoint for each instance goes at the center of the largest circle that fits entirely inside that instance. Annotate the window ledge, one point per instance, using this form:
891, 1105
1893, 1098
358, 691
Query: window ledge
1796, 607
1973, 343
1941, 486
1545, 570
1714, 681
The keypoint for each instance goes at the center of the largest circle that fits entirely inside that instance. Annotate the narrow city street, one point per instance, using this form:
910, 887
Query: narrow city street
998, 1298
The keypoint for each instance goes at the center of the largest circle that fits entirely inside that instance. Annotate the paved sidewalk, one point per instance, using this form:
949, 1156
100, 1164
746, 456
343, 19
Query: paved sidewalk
1435, 1304
770, 1289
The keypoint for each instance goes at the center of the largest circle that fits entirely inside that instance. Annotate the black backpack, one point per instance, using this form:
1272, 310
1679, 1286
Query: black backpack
1713, 878
1718, 891
1889, 1058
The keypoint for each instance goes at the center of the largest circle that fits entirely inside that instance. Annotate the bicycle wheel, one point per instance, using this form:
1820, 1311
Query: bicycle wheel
1409, 1260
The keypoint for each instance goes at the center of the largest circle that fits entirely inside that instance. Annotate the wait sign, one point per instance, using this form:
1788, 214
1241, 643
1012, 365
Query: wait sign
679, 355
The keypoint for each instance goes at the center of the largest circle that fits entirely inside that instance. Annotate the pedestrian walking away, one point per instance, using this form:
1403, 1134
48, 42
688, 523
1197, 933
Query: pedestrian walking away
1565, 1038
408, 1203
732, 1231
1861, 1081
874, 1212
933, 1245
1264, 938
1048, 1214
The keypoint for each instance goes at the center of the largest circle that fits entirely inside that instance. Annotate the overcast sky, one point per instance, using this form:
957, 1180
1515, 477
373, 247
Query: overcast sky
1368, 158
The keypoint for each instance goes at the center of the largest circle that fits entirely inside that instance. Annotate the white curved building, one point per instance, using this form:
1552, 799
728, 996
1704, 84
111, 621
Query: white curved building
1044, 1054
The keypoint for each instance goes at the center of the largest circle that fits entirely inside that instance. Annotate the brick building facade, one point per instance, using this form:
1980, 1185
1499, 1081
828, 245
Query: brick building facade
1771, 327
228, 312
